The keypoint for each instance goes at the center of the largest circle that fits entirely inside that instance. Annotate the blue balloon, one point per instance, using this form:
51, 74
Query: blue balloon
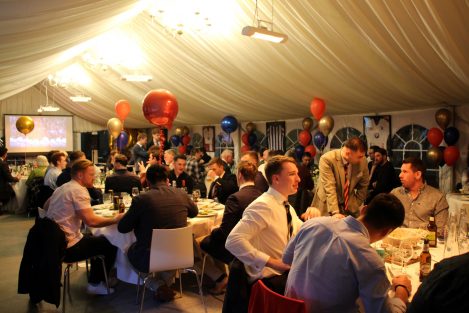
451, 135
229, 124
320, 140
176, 140
299, 151
122, 140
252, 138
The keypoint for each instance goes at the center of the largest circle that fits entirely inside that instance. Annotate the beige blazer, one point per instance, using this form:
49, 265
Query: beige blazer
329, 192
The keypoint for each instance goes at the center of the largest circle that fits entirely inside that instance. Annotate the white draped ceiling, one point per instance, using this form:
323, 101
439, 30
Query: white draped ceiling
360, 56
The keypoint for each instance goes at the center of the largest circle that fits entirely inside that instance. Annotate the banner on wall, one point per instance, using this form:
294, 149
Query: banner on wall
276, 135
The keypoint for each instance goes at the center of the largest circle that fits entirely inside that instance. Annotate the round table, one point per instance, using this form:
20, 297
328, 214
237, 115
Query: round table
18, 204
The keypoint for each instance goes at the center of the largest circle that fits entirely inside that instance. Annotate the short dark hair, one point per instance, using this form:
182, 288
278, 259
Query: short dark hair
75, 155
275, 164
180, 156
307, 154
55, 158
155, 151
381, 151
416, 164
155, 130
157, 173
141, 136
216, 160
275, 152
80, 166
385, 210
374, 148
3, 151
50, 154
355, 144
247, 170
196, 150
252, 154
121, 159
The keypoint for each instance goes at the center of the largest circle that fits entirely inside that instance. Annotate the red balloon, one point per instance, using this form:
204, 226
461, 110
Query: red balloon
311, 149
304, 138
451, 155
122, 109
186, 140
318, 107
160, 107
182, 149
435, 136
245, 148
245, 139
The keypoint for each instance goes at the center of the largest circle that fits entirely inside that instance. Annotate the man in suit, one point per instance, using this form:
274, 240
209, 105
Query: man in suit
224, 185
155, 140
214, 244
160, 207
139, 153
122, 180
343, 180
178, 175
228, 160
260, 182
7, 191
384, 177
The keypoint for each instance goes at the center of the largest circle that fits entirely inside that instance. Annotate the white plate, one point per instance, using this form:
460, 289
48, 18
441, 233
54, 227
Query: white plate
218, 207
207, 215
106, 206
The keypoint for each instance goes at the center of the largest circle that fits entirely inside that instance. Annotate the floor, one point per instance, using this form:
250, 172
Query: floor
13, 232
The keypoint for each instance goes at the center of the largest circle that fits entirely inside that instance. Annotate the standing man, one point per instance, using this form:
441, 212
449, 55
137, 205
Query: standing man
225, 183
160, 207
178, 175
371, 155
7, 192
304, 195
268, 223
384, 177
59, 163
419, 199
139, 152
333, 264
228, 160
343, 180
69, 206
196, 170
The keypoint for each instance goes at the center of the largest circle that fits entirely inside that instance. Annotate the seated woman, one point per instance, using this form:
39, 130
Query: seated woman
39, 170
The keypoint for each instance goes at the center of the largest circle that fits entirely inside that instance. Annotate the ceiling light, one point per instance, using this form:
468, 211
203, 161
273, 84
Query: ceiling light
136, 78
264, 34
48, 108
80, 98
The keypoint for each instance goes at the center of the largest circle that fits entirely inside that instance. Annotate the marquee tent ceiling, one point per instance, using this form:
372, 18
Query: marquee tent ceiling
360, 56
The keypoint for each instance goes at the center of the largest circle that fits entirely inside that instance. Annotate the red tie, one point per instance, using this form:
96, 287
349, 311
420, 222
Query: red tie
346, 187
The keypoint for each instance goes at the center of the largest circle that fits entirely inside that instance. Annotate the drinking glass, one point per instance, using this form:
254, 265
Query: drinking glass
196, 195
107, 198
407, 253
135, 191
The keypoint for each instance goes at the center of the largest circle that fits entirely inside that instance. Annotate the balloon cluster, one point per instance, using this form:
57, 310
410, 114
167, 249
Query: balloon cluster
181, 138
115, 125
440, 155
249, 138
304, 139
325, 123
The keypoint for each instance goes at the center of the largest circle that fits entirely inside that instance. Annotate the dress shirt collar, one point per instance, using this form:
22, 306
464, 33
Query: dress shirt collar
249, 183
344, 162
277, 195
407, 191
357, 225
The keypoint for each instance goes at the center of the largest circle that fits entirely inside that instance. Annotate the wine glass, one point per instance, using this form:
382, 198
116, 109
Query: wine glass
407, 253
107, 198
196, 195
135, 191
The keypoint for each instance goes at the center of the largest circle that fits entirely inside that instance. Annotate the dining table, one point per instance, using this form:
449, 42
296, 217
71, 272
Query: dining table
202, 224
458, 201
18, 204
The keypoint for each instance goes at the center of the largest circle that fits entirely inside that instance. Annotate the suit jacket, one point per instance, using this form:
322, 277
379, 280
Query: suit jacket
223, 187
261, 182
234, 208
189, 182
160, 207
386, 180
7, 191
329, 195
122, 181
139, 154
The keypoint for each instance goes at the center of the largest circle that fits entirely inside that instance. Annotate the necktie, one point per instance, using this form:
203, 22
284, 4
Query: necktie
289, 218
346, 187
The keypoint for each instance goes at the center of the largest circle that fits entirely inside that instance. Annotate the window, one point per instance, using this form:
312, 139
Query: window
223, 141
411, 140
343, 134
291, 140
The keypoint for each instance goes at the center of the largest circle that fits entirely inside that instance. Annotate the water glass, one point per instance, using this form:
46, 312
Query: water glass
135, 191
107, 198
196, 195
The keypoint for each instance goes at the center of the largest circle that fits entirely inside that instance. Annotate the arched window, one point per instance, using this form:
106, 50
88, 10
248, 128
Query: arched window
223, 141
291, 140
411, 140
343, 134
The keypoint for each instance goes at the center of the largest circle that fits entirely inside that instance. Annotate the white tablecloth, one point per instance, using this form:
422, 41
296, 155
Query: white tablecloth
457, 201
202, 226
18, 204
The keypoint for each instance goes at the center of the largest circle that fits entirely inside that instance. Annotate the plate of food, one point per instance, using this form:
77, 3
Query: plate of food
413, 235
218, 206
206, 213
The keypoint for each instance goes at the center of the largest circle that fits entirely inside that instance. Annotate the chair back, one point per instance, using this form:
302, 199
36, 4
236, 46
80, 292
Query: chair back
264, 300
171, 249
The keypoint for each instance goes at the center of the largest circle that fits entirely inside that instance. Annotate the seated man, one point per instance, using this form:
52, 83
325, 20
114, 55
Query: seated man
419, 199
196, 170
69, 206
178, 175
6, 178
332, 263
58, 163
169, 158
268, 223
384, 177
160, 207
214, 244
122, 180
224, 185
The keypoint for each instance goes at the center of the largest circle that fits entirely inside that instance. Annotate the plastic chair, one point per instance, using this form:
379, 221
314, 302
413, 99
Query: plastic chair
171, 249
265, 300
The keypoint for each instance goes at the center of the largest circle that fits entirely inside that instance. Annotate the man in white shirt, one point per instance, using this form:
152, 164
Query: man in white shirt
268, 223
69, 206
333, 264
58, 162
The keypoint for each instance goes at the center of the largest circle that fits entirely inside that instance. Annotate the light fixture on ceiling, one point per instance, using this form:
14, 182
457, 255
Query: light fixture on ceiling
47, 107
262, 31
136, 77
79, 98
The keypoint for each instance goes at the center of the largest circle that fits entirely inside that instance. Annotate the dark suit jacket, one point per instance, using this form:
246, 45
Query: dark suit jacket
166, 145
234, 208
385, 178
161, 207
226, 167
139, 154
225, 186
261, 183
6, 191
122, 181
189, 182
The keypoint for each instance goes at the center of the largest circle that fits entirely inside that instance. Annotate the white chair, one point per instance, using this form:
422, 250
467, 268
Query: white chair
171, 249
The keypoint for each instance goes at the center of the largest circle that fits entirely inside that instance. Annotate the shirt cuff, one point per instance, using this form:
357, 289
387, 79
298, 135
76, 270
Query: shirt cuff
261, 260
